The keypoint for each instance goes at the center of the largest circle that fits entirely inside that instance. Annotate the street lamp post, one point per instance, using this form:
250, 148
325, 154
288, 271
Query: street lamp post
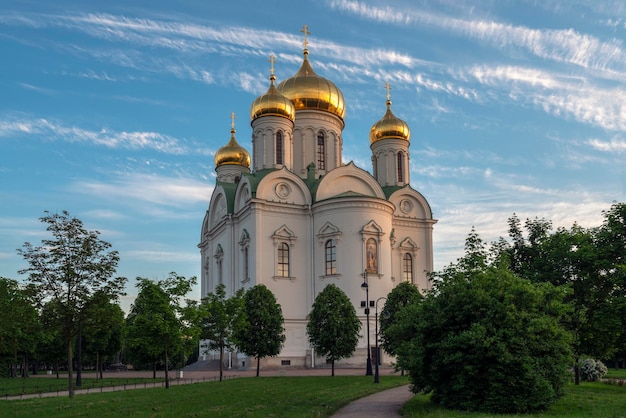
376, 376
368, 369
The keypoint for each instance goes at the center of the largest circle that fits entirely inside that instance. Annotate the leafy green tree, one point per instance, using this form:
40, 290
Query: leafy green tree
333, 325
588, 262
20, 329
51, 348
219, 317
487, 341
155, 326
401, 296
69, 268
102, 328
261, 333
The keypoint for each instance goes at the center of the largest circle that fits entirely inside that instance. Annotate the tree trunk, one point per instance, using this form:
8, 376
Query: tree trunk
258, 365
576, 372
25, 365
70, 371
79, 357
154, 371
167, 375
332, 367
97, 364
221, 363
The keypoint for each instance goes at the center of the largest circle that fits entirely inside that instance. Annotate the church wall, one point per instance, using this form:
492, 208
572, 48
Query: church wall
308, 124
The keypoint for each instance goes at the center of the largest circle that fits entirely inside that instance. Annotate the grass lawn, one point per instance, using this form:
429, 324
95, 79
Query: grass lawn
597, 400
318, 396
18, 385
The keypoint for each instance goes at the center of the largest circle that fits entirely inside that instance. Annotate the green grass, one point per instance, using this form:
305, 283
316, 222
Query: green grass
318, 396
18, 385
616, 374
597, 400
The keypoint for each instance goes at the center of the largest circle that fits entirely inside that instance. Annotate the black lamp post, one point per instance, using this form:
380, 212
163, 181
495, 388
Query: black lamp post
368, 369
376, 378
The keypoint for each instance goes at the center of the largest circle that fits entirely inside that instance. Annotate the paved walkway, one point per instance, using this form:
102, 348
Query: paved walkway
379, 405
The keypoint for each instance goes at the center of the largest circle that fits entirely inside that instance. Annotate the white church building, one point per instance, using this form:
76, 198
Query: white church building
292, 215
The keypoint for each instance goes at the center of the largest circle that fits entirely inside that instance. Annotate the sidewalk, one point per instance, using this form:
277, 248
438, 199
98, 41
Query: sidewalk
379, 405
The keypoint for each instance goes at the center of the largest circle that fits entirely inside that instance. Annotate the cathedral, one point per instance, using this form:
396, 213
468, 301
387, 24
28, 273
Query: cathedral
294, 217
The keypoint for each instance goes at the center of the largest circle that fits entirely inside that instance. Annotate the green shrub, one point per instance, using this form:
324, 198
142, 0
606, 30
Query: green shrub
487, 341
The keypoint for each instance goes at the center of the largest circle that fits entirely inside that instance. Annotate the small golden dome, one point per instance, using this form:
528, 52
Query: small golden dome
307, 91
389, 127
272, 103
232, 153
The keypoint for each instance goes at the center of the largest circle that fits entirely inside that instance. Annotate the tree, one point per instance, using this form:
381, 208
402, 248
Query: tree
155, 327
261, 333
333, 326
20, 328
68, 269
588, 262
488, 341
102, 328
401, 296
219, 318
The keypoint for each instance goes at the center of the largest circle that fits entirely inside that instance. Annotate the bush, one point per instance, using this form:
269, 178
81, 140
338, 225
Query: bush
591, 370
487, 341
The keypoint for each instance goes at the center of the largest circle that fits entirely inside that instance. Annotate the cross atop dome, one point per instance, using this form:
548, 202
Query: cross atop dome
388, 88
305, 30
232, 119
272, 60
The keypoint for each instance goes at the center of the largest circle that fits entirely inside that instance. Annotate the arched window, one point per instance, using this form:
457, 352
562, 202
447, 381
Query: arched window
372, 256
407, 268
282, 267
279, 147
330, 257
400, 168
321, 151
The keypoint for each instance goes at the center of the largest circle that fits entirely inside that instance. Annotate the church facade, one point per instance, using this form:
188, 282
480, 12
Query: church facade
293, 216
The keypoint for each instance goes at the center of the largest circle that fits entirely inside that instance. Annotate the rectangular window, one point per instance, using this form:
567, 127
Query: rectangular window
283, 260
330, 257
407, 268
321, 152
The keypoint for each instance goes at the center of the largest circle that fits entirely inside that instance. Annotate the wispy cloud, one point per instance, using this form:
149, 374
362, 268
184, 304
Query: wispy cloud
49, 129
151, 189
563, 45
617, 145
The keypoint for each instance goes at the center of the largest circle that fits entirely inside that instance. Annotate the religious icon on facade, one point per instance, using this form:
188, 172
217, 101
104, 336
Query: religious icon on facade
372, 256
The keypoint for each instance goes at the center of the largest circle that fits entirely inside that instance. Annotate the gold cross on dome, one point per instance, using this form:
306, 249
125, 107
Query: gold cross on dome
305, 30
272, 60
388, 88
232, 117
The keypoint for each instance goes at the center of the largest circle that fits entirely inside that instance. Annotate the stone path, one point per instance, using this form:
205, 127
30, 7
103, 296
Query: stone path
379, 405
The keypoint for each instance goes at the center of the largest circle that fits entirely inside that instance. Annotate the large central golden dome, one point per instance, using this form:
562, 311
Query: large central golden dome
309, 91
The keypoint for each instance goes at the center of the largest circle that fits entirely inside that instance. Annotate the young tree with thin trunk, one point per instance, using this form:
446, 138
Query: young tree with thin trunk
262, 333
155, 326
333, 326
219, 317
67, 269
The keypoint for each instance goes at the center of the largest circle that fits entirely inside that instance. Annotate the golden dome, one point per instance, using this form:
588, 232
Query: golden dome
389, 127
307, 91
232, 153
272, 103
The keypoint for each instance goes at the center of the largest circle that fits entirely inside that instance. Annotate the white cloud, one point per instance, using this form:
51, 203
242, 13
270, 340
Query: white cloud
151, 189
617, 145
50, 129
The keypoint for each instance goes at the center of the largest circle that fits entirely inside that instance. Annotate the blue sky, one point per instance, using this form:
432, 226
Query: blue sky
113, 110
